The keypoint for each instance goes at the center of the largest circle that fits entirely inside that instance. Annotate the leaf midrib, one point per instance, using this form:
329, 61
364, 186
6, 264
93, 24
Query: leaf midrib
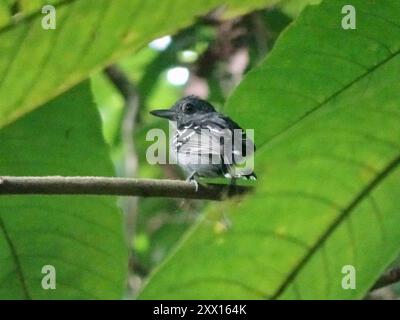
374, 183
275, 137
356, 200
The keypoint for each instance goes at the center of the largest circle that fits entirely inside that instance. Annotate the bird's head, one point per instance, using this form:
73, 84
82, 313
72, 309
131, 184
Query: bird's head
185, 109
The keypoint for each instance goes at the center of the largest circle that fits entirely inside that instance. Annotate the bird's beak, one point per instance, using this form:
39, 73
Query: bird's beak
166, 113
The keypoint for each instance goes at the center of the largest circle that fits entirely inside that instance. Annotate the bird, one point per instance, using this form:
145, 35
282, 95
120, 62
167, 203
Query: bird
207, 143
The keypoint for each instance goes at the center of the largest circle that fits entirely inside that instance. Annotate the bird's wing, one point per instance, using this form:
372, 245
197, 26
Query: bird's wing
215, 135
242, 146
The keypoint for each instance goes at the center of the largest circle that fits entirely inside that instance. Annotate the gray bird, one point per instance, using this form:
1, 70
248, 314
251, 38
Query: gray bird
206, 143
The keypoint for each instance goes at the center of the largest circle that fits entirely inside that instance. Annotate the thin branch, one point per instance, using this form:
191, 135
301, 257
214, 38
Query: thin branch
119, 79
131, 97
389, 277
57, 185
131, 160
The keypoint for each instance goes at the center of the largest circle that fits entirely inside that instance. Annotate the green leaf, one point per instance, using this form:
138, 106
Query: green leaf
80, 236
294, 7
4, 13
325, 109
37, 64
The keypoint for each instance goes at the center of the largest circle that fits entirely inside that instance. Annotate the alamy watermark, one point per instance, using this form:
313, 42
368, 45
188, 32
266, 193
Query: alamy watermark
349, 278
49, 279
349, 20
49, 21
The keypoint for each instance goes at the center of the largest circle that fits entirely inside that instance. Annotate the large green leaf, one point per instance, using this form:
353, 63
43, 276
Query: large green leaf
325, 109
80, 236
38, 64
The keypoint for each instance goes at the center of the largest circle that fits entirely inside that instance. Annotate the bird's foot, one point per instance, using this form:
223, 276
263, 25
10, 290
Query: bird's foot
192, 179
196, 184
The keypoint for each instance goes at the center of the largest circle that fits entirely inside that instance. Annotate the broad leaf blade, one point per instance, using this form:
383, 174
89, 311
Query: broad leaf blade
80, 236
37, 64
328, 166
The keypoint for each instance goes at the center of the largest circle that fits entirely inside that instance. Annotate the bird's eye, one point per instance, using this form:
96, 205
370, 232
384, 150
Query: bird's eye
188, 108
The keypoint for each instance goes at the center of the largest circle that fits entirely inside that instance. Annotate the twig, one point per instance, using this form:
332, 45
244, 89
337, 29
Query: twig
129, 92
120, 80
131, 161
57, 185
389, 277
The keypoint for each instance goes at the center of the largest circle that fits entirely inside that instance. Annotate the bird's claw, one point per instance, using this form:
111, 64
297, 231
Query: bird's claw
192, 179
196, 184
